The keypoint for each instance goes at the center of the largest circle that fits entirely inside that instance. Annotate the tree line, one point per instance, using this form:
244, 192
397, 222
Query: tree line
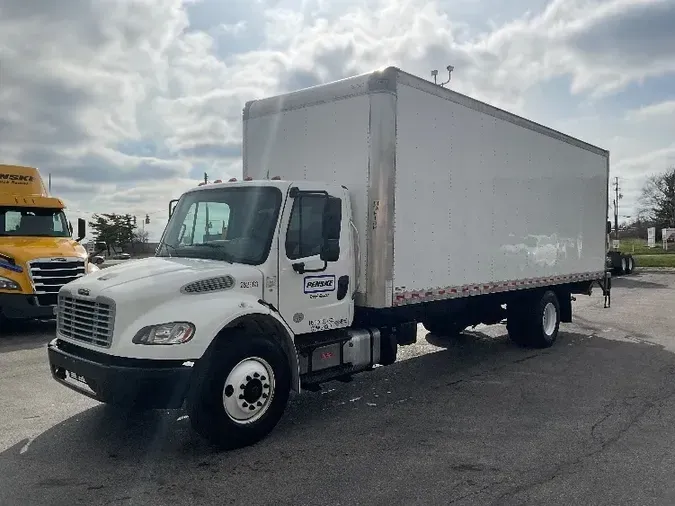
118, 231
656, 205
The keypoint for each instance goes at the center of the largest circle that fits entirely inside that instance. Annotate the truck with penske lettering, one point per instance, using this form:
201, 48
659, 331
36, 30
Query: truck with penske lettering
368, 206
37, 252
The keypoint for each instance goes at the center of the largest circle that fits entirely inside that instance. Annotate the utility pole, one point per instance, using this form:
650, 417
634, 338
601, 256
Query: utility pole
206, 178
617, 197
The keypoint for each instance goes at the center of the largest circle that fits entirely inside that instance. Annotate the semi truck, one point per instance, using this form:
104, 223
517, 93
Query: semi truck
619, 263
37, 252
367, 206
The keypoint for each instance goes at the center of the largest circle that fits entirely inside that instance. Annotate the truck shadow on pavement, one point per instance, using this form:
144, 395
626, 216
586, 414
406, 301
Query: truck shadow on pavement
480, 419
634, 281
25, 335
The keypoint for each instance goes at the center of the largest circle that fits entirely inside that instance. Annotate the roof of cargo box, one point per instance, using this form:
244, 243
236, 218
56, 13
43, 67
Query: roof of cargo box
387, 80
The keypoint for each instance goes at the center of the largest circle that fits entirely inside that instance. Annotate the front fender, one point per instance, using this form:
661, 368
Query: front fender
210, 314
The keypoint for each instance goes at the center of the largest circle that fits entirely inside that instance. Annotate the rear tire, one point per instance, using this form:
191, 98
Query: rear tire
534, 321
240, 392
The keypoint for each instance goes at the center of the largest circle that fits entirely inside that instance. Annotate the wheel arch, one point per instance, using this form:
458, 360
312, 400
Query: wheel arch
268, 325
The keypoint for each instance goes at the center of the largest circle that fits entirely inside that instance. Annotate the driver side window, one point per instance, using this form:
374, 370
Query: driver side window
305, 227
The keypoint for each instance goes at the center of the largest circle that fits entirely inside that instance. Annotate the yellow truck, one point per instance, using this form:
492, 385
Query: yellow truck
37, 252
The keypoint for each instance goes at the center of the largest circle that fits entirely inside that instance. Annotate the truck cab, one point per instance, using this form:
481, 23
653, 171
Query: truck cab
266, 258
37, 252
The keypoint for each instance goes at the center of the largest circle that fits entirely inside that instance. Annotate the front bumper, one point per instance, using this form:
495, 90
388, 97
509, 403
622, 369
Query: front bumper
24, 306
151, 384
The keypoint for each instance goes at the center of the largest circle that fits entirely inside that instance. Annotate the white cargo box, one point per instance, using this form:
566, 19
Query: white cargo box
451, 197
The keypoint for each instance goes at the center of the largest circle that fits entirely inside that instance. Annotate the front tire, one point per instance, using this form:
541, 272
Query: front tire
241, 390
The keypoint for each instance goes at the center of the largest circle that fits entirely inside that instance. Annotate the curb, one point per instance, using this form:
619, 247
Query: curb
655, 269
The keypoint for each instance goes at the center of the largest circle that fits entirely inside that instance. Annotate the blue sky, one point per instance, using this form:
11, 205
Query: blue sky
128, 102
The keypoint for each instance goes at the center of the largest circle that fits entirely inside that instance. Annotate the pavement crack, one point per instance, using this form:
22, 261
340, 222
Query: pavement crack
479, 491
572, 464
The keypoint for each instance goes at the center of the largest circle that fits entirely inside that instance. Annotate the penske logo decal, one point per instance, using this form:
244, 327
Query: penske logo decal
319, 284
15, 177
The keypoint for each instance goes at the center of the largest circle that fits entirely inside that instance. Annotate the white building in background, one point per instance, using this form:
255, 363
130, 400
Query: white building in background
667, 235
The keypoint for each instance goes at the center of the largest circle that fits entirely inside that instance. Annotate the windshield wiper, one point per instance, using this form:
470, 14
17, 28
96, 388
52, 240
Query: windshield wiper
228, 257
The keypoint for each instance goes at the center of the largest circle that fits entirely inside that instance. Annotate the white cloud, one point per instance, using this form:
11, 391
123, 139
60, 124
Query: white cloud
662, 109
126, 102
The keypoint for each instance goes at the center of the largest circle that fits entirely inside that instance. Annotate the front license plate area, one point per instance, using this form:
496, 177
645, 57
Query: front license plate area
77, 377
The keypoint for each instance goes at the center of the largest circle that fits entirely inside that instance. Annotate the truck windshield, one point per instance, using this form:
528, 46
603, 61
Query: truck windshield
33, 222
231, 224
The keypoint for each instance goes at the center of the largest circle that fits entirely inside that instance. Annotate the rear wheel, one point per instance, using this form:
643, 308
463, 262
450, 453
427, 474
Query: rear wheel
534, 321
240, 392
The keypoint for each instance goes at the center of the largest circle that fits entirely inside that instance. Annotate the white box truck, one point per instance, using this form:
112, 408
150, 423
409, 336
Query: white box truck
367, 206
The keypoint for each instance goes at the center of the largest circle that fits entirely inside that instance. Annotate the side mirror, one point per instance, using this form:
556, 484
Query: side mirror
609, 227
332, 220
172, 206
70, 227
97, 260
81, 229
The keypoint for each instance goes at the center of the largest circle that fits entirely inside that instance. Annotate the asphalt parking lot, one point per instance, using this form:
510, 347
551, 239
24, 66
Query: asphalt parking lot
469, 421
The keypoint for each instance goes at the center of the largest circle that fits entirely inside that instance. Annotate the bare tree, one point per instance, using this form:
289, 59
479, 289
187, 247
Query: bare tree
140, 236
658, 199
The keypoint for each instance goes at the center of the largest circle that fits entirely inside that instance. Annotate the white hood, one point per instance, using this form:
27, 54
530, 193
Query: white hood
148, 291
150, 276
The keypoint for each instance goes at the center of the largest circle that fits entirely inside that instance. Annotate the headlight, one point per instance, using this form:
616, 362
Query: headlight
165, 333
8, 284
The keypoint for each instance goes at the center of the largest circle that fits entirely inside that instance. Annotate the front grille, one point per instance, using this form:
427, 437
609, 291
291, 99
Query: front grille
48, 276
89, 321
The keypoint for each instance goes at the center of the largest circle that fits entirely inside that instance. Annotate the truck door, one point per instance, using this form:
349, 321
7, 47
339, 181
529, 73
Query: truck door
315, 294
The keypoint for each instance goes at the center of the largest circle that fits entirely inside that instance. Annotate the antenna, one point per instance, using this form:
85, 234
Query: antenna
434, 74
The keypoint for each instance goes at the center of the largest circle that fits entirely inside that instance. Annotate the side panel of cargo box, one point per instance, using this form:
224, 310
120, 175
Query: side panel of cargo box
486, 201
